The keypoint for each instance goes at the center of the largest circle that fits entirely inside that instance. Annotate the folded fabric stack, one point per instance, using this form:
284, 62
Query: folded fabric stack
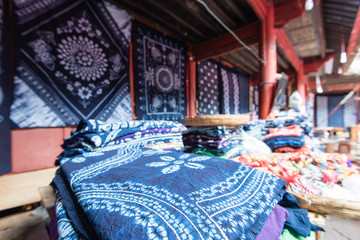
290, 138
92, 134
126, 191
218, 141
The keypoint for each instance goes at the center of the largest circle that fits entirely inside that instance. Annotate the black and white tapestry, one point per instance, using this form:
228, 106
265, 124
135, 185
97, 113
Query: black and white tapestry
72, 63
344, 116
234, 91
254, 92
207, 87
5, 89
159, 75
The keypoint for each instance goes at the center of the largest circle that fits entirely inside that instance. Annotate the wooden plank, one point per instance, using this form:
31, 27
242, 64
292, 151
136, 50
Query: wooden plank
48, 198
17, 226
22, 188
217, 120
289, 51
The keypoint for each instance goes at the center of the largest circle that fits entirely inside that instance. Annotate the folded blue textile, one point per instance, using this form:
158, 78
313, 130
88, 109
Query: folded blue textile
298, 220
285, 141
139, 193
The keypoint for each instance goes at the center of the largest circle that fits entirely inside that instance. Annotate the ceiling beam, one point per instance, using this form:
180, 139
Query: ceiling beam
226, 43
354, 41
260, 7
288, 49
287, 11
313, 64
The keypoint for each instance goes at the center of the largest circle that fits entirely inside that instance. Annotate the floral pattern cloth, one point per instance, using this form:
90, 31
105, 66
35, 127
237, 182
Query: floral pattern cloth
138, 193
160, 80
72, 63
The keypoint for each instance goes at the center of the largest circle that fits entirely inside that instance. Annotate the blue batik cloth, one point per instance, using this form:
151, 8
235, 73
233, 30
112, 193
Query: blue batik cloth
139, 193
92, 134
72, 62
160, 75
207, 87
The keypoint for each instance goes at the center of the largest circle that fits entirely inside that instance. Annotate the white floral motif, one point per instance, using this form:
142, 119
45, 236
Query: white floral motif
82, 57
172, 164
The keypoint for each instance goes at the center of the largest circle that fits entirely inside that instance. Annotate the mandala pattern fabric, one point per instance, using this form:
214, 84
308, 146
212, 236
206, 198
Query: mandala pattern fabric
72, 63
235, 91
5, 89
208, 88
159, 75
137, 193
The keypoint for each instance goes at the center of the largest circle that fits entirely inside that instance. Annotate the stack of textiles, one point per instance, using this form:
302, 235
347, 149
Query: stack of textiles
287, 139
126, 191
309, 173
92, 134
218, 141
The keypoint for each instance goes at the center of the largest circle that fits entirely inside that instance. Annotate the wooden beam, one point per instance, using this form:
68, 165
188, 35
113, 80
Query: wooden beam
226, 43
312, 65
320, 26
260, 7
289, 51
287, 11
354, 41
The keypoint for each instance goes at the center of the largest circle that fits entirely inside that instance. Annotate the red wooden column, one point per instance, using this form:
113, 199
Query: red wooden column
191, 65
300, 83
268, 70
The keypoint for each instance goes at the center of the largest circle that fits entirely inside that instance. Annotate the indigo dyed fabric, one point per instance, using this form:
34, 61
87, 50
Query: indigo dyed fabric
207, 87
337, 118
72, 63
5, 88
93, 134
137, 193
234, 91
159, 75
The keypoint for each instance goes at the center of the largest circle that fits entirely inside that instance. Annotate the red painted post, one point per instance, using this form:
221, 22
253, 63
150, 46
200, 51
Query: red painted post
268, 70
191, 86
300, 83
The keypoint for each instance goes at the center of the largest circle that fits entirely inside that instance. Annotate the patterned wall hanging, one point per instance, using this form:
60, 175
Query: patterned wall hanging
159, 75
234, 91
207, 87
5, 89
254, 92
72, 63
345, 116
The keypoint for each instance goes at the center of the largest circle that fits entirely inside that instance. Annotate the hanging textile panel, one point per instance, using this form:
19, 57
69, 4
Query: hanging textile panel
5, 89
159, 75
72, 63
207, 87
344, 116
234, 91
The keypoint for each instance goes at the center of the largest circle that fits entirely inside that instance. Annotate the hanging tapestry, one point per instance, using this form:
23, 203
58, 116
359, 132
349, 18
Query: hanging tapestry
159, 75
344, 116
71, 64
244, 93
207, 88
233, 87
254, 103
5, 89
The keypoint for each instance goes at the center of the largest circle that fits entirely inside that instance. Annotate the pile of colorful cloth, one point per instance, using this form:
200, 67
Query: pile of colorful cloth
110, 188
307, 172
218, 141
